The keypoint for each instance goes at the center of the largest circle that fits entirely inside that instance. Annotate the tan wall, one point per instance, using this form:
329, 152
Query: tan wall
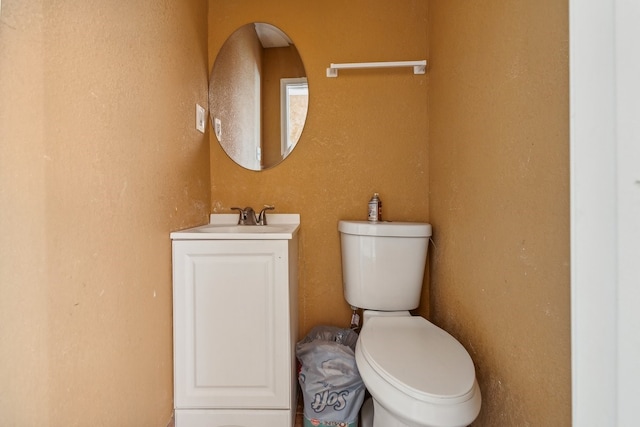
366, 132
99, 160
237, 94
278, 63
499, 203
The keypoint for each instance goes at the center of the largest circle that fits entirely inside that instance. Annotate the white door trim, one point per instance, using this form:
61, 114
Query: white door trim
605, 210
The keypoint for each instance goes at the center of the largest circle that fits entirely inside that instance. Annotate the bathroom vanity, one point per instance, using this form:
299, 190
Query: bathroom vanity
235, 322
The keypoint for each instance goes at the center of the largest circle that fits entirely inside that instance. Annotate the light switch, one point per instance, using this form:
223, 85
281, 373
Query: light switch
200, 118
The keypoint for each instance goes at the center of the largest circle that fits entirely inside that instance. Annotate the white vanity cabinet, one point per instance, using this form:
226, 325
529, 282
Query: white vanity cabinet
234, 317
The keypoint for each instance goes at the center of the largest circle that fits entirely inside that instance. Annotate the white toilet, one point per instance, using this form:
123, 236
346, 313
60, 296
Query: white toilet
418, 375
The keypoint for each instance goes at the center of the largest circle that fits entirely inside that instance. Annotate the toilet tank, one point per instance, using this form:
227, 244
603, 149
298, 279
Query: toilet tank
383, 263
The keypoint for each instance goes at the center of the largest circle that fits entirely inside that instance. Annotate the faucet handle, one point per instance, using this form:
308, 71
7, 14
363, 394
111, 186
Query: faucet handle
262, 217
243, 215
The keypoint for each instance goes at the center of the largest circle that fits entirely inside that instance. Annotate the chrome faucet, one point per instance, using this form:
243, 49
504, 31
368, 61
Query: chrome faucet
248, 215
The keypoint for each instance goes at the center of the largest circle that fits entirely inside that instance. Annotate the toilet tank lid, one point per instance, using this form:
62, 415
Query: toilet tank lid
385, 228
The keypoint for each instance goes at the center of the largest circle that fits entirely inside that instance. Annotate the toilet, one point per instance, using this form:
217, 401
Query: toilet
417, 374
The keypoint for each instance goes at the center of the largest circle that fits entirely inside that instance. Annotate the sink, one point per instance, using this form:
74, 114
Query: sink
225, 227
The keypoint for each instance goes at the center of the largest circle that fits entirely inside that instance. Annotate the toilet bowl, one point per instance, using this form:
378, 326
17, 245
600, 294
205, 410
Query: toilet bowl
417, 374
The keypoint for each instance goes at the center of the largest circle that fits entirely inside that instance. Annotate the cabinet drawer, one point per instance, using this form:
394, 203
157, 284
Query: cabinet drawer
239, 418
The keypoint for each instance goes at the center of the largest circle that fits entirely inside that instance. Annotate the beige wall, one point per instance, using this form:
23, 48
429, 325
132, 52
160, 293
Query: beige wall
366, 132
496, 175
499, 202
278, 63
99, 160
237, 95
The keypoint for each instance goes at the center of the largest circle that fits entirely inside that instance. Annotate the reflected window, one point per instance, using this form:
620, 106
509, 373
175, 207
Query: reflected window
294, 103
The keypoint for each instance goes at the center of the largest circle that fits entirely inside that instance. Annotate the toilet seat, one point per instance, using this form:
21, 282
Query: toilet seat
419, 359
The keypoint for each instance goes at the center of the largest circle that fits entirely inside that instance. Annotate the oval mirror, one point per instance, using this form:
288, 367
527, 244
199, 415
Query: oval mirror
258, 96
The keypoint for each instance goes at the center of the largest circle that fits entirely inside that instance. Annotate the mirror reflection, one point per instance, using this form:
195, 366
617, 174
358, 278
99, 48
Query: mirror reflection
258, 96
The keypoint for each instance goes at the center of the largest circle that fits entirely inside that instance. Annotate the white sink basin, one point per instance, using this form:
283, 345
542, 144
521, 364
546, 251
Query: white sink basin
225, 227
221, 228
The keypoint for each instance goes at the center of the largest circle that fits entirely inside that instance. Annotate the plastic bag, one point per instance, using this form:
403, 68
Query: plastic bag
331, 385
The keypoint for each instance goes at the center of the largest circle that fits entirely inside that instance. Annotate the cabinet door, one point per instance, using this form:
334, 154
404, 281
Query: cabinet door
231, 323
